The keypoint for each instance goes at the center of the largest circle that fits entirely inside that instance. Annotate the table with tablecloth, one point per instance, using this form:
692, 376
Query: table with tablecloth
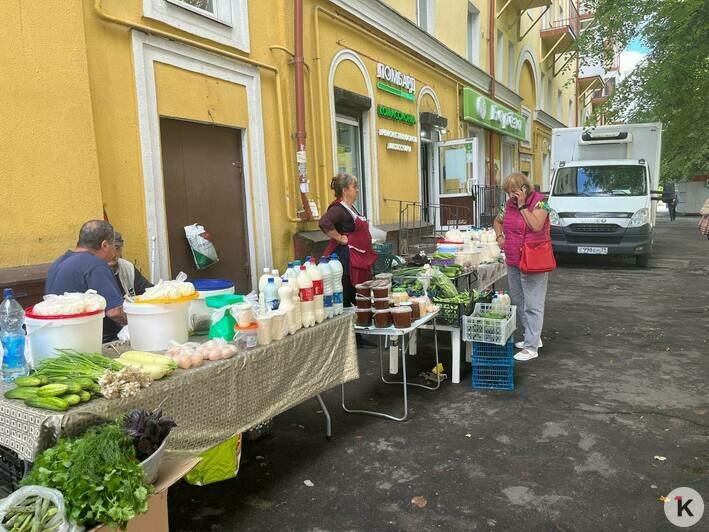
210, 403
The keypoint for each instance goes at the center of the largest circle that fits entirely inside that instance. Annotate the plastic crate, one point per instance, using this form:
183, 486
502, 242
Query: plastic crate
384, 263
451, 313
484, 353
443, 263
489, 330
493, 376
12, 469
383, 247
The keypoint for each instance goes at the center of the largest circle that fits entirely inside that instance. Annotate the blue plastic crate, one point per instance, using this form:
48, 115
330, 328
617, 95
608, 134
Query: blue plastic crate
493, 376
485, 353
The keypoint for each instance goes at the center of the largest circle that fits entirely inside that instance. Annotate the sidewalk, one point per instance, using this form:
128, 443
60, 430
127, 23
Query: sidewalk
622, 379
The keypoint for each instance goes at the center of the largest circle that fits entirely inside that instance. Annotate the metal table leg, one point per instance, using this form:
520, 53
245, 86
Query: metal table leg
404, 351
326, 412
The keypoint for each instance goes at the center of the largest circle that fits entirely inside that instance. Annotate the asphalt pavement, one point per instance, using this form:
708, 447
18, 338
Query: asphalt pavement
612, 416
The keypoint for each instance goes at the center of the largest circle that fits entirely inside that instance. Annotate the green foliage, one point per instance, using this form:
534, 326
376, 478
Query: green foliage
671, 85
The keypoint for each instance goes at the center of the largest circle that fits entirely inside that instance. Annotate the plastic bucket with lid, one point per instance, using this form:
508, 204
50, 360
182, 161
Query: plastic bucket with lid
154, 326
82, 332
199, 314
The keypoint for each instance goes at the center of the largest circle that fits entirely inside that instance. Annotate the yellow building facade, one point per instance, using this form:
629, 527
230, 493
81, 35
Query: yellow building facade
140, 110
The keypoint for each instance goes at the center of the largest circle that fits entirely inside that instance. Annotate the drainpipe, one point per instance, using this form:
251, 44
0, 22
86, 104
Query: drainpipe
300, 111
492, 35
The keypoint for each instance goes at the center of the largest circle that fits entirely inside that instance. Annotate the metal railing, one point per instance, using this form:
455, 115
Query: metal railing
573, 22
488, 200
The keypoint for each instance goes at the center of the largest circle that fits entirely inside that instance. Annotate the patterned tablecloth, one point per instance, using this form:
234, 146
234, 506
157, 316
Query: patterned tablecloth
210, 403
488, 274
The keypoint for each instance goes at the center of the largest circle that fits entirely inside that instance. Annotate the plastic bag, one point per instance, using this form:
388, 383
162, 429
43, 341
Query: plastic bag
218, 463
203, 251
52, 495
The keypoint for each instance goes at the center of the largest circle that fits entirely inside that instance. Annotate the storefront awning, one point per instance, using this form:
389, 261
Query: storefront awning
481, 110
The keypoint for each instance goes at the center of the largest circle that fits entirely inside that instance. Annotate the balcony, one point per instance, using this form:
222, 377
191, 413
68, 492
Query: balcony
519, 6
559, 35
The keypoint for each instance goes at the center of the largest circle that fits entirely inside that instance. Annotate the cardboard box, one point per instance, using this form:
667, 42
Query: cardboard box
155, 519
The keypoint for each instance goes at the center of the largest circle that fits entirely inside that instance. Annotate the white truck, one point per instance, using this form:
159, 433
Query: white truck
603, 195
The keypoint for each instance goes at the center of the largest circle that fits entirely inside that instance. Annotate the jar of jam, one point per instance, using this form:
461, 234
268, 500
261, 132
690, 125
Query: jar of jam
364, 317
381, 289
402, 317
381, 303
364, 290
382, 318
363, 302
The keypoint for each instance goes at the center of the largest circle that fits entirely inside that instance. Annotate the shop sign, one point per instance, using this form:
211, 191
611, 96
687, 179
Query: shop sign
480, 109
398, 147
393, 79
395, 114
396, 135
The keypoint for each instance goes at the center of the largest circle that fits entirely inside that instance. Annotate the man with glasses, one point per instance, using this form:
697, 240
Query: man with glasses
86, 268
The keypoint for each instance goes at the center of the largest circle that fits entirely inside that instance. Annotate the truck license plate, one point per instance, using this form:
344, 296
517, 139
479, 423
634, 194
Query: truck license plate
591, 251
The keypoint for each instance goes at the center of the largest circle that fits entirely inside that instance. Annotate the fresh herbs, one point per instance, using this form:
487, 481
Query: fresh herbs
32, 513
98, 474
147, 430
72, 364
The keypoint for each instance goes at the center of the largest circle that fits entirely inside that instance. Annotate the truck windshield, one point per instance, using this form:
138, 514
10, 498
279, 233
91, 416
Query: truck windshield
622, 180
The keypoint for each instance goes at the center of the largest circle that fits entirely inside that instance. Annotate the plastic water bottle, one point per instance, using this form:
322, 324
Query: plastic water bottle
337, 296
12, 337
318, 291
263, 280
270, 293
326, 273
307, 303
288, 272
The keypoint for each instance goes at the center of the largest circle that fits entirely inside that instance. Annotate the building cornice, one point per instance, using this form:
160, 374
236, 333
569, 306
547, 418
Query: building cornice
547, 120
508, 96
408, 34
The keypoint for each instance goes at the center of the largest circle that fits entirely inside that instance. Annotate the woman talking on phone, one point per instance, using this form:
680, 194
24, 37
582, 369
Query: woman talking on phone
522, 228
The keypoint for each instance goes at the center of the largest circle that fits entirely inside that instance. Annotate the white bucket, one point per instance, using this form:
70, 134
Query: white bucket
153, 327
200, 314
83, 333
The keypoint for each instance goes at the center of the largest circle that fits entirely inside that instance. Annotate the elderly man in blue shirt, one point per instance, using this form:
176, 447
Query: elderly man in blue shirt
86, 267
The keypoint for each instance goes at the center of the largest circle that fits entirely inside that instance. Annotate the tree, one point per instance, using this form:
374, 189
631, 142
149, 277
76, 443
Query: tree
671, 85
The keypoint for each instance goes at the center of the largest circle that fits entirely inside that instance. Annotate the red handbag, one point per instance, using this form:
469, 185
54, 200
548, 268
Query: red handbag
537, 257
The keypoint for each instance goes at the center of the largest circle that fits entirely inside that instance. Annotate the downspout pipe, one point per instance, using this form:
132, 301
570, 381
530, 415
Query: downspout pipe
300, 155
491, 59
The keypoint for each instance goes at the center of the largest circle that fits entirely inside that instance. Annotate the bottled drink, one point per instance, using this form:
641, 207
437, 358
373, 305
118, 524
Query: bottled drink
326, 273
307, 303
295, 298
289, 271
12, 337
264, 279
276, 278
286, 297
318, 292
270, 293
337, 270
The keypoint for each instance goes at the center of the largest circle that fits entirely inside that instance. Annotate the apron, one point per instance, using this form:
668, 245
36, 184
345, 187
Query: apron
362, 255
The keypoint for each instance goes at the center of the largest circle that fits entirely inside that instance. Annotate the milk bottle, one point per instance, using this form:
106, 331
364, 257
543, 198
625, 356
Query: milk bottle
276, 278
270, 293
337, 298
307, 303
326, 273
285, 295
263, 280
318, 292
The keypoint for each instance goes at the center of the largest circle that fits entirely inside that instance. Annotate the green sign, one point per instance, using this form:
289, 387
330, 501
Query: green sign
395, 114
393, 90
480, 109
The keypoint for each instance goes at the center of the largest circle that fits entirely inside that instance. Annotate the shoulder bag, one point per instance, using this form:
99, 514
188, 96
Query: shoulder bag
537, 257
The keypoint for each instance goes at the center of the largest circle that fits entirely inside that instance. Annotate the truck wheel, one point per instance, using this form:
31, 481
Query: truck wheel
642, 260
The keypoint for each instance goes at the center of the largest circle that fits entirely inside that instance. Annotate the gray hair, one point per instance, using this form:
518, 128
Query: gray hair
342, 181
118, 239
94, 232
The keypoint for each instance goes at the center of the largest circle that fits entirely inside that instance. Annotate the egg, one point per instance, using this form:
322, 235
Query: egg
196, 360
184, 362
226, 352
215, 355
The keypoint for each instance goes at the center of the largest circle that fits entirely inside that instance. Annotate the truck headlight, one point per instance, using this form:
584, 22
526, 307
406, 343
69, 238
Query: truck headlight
554, 217
640, 218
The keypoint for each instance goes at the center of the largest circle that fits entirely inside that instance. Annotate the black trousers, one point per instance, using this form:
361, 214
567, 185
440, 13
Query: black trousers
348, 291
673, 210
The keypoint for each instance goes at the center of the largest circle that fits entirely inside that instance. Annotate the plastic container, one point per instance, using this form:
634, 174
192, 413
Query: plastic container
285, 294
307, 302
363, 302
264, 279
199, 314
381, 289
415, 309
151, 465
318, 291
270, 292
493, 376
337, 295
265, 329
381, 303
401, 317
364, 290
155, 326
382, 318
478, 328
364, 317
246, 338
399, 297
83, 332
326, 273
12, 336
279, 325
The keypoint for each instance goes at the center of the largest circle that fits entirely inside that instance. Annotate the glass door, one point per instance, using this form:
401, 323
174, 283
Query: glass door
349, 155
455, 176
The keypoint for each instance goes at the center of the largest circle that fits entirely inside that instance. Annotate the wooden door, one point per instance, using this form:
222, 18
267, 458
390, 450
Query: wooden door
204, 184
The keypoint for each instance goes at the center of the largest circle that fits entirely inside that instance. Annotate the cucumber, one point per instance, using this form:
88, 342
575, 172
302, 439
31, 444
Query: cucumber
21, 392
73, 387
52, 390
85, 382
27, 381
71, 398
48, 403
84, 396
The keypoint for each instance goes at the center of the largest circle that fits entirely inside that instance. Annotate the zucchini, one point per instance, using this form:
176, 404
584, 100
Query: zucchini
84, 396
48, 403
71, 398
52, 390
143, 357
28, 380
21, 392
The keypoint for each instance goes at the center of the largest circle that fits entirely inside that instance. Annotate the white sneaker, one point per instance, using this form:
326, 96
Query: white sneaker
520, 345
526, 354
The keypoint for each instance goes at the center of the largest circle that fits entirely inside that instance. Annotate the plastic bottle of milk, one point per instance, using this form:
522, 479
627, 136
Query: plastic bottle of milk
286, 297
326, 273
270, 293
287, 273
337, 298
264, 279
307, 303
276, 278
295, 298
318, 291
292, 273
